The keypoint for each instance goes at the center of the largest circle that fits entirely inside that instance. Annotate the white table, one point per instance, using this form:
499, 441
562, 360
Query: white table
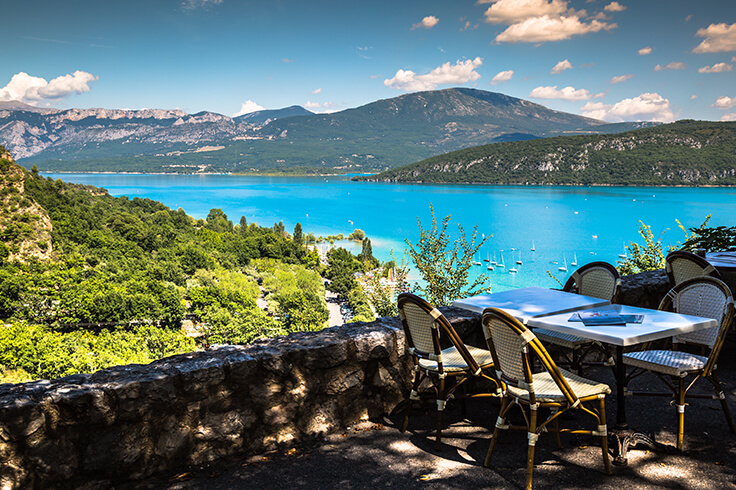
655, 325
524, 304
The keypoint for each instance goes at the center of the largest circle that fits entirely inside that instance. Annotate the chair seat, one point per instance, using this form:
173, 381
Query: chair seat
562, 339
675, 363
452, 361
546, 390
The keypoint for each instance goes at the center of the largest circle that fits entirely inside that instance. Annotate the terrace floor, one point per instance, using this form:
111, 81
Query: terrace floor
376, 454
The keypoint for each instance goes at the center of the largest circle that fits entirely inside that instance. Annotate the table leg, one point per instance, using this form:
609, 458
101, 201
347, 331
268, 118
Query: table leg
622, 437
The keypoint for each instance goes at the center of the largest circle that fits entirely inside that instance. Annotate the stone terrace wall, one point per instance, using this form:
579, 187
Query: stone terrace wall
131, 421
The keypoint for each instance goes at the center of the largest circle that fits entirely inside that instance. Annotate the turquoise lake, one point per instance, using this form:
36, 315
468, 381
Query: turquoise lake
563, 223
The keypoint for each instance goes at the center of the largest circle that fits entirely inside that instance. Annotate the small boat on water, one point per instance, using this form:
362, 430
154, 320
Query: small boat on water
623, 255
490, 267
501, 264
477, 262
533, 249
574, 262
563, 267
493, 262
487, 259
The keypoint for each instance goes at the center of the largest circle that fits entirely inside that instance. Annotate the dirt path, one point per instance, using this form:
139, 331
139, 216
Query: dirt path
334, 307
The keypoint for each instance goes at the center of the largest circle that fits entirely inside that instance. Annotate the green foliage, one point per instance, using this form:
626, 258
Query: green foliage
357, 235
360, 305
298, 236
381, 297
445, 270
647, 257
342, 266
44, 354
681, 153
712, 239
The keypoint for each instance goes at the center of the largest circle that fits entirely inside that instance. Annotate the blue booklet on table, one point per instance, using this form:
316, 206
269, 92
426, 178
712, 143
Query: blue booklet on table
604, 317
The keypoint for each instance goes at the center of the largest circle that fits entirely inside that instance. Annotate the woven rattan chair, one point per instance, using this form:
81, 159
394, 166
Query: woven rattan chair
701, 296
512, 345
424, 326
681, 266
598, 280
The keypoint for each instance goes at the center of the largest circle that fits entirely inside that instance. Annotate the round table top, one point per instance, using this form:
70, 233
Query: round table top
722, 260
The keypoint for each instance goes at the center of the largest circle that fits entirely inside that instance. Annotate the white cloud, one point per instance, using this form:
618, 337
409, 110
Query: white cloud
190, 5
29, 89
514, 11
248, 107
537, 21
287, 60
729, 117
644, 107
621, 78
567, 93
718, 38
427, 23
614, 7
717, 68
317, 91
326, 107
561, 66
645, 51
675, 65
502, 76
460, 72
693, 97
725, 102
546, 28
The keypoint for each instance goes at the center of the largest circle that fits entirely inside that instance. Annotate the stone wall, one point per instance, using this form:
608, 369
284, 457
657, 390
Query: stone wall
131, 421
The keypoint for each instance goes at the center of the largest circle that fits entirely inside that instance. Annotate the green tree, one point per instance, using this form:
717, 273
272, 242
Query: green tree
647, 257
298, 237
445, 270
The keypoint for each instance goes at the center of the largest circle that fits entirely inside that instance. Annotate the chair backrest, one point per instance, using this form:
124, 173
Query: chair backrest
424, 325
681, 266
706, 297
597, 279
511, 344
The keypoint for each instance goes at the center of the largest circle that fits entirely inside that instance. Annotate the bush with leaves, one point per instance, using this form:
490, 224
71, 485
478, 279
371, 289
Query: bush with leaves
444, 268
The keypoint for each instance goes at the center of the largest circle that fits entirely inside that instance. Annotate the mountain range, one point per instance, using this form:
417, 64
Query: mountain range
371, 138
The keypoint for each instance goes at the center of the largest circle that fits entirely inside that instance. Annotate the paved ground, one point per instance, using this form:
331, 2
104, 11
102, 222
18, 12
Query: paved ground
375, 454
333, 306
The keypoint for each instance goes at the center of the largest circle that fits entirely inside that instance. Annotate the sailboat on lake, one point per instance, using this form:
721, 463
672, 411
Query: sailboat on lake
574, 262
501, 264
563, 267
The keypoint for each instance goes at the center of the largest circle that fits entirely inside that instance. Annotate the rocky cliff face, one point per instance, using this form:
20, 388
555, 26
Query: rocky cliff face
27, 133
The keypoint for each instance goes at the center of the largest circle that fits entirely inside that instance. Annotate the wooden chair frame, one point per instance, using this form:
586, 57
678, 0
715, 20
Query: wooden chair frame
437, 373
678, 388
533, 348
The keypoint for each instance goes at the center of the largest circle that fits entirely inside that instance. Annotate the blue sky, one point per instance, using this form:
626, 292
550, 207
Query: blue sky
626, 60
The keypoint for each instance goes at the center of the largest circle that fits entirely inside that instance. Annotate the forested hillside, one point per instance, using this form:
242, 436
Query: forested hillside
682, 153
118, 276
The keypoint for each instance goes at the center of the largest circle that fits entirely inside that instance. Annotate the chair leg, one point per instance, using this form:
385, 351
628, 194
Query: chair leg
556, 427
576, 366
414, 394
604, 438
440, 409
532, 443
680, 412
724, 403
496, 431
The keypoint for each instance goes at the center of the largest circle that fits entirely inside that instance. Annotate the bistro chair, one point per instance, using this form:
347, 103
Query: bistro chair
512, 346
704, 297
425, 327
598, 280
681, 266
